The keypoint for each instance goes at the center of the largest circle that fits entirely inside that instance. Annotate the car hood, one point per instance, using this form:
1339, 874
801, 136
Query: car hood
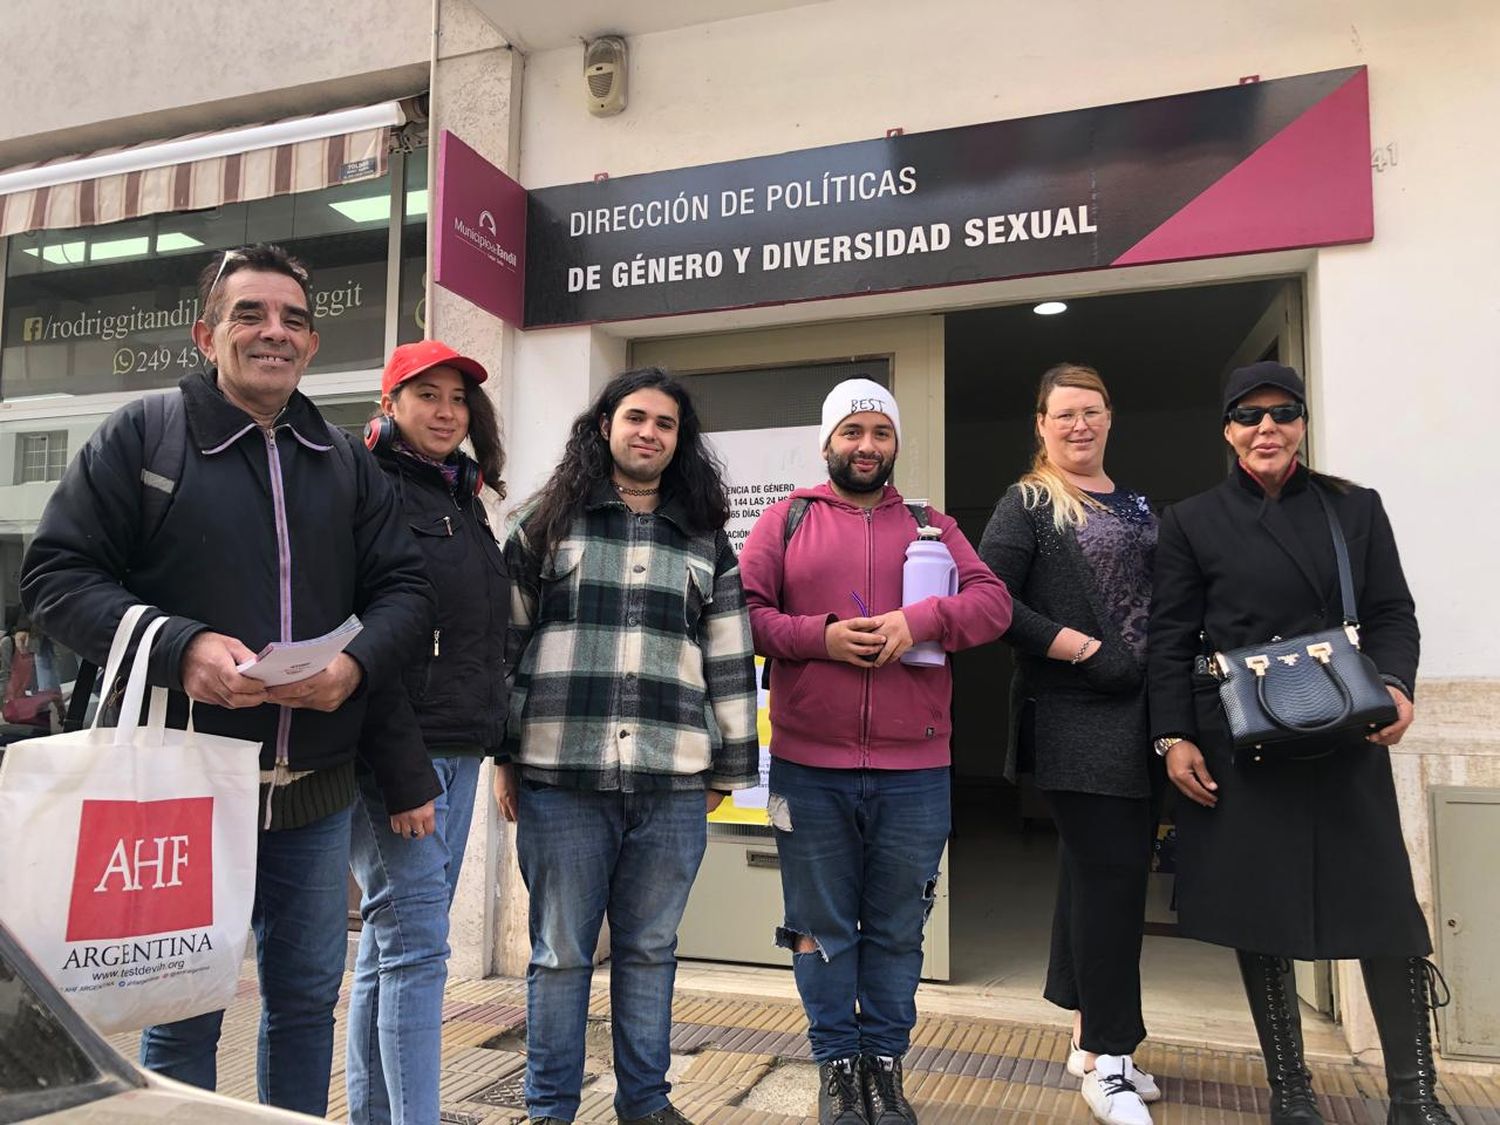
165, 1101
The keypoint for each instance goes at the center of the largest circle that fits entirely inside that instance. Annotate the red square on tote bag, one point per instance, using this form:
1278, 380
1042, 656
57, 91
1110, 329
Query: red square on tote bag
143, 867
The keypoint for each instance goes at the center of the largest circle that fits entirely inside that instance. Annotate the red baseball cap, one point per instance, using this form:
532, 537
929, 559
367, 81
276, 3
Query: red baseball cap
413, 359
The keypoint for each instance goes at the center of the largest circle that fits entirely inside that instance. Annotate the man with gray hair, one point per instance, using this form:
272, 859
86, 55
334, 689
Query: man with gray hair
233, 507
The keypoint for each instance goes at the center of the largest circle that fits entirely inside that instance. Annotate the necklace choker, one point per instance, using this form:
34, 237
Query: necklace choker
623, 491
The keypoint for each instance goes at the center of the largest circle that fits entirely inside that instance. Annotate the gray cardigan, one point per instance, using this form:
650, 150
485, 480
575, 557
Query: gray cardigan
1087, 722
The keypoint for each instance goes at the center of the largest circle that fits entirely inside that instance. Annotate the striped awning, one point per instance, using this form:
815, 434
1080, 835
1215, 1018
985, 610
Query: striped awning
259, 172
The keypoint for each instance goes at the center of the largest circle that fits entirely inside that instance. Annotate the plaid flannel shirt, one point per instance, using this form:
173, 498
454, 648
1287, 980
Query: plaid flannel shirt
634, 668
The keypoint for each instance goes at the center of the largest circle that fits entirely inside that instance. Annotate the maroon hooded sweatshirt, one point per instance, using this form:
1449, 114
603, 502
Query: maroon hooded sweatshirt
829, 713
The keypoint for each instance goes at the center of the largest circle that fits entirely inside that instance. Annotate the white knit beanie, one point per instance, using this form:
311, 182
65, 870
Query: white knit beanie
855, 396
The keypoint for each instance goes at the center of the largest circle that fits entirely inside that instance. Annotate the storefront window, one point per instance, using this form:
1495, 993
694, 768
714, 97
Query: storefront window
33, 456
775, 397
413, 325
351, 414
41, 457
110, 308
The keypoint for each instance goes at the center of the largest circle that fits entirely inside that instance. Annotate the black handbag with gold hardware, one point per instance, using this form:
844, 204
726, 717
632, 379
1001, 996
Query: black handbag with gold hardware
1297, 694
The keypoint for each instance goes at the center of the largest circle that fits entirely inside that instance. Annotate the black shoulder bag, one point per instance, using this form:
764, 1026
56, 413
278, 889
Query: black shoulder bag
1286, 697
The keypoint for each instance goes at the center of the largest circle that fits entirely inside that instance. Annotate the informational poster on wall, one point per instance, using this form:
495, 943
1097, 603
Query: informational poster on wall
760, 468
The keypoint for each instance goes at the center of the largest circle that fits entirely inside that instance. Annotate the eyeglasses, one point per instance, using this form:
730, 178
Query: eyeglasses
239, 256
1092, 417
1281, 413
229, 256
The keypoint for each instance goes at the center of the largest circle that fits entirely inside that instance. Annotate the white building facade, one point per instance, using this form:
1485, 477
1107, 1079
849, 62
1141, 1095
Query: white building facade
1394, 332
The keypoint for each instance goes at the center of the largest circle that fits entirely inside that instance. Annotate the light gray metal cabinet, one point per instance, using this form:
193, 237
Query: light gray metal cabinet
1465, 849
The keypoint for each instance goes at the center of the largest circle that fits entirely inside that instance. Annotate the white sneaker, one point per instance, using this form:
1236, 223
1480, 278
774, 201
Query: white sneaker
1111, 1093
1145, 1084
1078, 1059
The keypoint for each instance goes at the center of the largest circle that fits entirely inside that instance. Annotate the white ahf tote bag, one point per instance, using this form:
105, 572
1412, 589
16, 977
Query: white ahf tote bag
127, 856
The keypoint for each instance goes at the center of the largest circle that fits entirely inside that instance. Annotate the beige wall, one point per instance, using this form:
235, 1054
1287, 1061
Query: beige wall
472, 96
85, 74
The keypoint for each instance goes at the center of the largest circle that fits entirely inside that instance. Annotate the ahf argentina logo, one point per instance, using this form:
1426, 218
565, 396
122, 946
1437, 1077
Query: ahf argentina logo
32, 329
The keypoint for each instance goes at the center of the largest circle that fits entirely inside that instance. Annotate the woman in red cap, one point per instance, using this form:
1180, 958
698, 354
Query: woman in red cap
454, 699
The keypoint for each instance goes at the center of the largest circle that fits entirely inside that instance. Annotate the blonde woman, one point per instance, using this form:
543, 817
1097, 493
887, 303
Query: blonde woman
1076, 552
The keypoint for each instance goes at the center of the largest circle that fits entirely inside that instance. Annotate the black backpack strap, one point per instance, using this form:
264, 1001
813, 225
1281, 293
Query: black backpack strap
795, 510
794, 513
165, 453
78, 703
341, 441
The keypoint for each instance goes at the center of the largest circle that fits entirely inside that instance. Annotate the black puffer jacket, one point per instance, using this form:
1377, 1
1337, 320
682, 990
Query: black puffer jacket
274, 535
456, 683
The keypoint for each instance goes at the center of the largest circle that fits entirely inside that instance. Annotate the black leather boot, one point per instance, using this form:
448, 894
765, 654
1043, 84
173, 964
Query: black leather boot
841, 1101
881, 1079
1402, 991
1272, 992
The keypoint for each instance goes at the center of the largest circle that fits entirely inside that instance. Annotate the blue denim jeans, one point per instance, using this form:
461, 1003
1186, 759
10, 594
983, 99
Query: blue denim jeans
859, 865
393, 1060
583, 855
301, 924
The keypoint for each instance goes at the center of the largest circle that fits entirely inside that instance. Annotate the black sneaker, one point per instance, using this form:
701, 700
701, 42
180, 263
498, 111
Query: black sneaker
667, 1115
881, 1078
547, 1121
840, 1101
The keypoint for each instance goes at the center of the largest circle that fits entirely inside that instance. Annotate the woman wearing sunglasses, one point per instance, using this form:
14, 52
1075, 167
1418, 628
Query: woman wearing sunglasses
1293, 855
1075, 550
454, 700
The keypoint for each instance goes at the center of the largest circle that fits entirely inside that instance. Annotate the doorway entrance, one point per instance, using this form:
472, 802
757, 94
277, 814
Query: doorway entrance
1163, 356
966, 381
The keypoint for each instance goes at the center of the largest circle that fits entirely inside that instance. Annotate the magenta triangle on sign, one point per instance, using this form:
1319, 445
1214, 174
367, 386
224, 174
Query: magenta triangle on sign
1307, 185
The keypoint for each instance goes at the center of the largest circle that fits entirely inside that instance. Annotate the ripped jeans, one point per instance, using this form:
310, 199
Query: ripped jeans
859, 863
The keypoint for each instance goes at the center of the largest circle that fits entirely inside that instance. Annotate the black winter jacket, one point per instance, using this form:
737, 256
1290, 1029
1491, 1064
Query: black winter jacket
456, 680
269, 536
1300, 858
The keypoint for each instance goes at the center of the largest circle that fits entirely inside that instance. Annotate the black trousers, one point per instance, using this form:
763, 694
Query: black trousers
1100, 917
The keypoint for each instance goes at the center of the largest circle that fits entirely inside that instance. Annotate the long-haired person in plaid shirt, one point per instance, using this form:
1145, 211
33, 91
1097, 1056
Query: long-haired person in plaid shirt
634, 697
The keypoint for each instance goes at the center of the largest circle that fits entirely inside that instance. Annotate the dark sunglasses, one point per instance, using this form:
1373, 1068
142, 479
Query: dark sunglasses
1281, 414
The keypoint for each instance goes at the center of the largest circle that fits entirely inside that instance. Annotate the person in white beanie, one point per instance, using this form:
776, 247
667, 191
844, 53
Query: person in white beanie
859, 743
859, 396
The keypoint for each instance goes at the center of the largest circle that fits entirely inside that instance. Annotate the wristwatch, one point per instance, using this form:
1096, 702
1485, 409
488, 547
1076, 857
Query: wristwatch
1165, 743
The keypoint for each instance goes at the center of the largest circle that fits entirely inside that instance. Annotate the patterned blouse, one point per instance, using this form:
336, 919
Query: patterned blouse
1119, 544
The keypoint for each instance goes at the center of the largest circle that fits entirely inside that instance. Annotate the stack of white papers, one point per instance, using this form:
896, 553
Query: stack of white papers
286, 662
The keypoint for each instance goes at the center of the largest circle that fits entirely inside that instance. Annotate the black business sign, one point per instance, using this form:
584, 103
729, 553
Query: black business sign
1260, 166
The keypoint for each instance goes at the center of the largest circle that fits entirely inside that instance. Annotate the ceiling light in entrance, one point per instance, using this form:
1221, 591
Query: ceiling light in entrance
1050, 308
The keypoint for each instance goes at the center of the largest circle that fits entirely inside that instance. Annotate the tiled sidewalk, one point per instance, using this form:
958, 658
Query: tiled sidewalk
744, 1062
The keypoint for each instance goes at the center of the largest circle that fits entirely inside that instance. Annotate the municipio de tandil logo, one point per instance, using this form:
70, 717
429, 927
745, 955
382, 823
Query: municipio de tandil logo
484, 236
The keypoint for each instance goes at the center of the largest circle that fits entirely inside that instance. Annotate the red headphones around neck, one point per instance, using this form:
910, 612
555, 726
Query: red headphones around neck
380, 437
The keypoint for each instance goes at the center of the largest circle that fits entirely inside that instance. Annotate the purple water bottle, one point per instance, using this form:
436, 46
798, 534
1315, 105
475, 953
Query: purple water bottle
929, 571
